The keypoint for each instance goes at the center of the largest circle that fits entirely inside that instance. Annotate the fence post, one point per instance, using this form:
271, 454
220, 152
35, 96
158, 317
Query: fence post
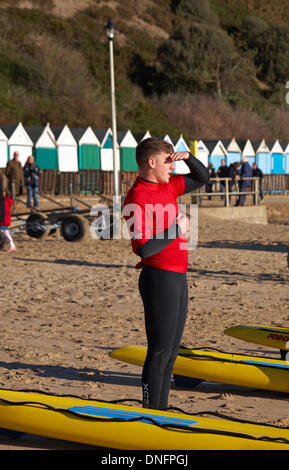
227, 196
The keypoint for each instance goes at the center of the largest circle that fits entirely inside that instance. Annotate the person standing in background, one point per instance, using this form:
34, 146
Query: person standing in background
14, 173
222, 172
6, 237
32, 181
257, 173
245, 183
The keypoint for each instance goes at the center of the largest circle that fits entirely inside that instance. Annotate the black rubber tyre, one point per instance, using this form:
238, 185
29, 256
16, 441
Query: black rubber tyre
35, 226
74, 228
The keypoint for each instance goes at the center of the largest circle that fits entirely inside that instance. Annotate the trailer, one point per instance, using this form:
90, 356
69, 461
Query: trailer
73, 223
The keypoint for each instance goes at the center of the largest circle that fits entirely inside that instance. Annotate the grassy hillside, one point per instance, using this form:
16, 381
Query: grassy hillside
197, 70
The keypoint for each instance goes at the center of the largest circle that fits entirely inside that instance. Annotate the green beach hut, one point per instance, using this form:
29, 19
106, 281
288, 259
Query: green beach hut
44, 147
127, 146
88, 148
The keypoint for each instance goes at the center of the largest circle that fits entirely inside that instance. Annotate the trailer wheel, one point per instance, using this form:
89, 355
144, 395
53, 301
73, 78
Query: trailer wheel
74, 228
35, 226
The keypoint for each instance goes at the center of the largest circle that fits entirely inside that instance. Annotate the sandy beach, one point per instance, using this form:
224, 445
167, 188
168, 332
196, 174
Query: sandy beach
64, 306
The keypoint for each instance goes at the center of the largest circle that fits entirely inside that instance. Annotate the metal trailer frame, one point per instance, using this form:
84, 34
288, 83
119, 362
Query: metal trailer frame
71, 222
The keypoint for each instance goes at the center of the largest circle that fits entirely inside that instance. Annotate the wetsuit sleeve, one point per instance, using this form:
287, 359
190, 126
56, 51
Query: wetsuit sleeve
198, 175
160, 241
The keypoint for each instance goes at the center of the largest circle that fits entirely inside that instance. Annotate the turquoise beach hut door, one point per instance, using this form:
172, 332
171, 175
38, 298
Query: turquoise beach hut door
44, 150
277, 153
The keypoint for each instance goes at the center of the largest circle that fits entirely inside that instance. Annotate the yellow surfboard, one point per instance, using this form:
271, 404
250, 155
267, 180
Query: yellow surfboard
113, 426
271, 336
235, 369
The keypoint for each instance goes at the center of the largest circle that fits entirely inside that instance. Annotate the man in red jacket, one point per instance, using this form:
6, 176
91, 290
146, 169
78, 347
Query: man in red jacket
158, 236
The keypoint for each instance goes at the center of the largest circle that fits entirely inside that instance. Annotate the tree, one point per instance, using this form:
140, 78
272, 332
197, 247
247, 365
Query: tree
272, 55
195, 11
198, 58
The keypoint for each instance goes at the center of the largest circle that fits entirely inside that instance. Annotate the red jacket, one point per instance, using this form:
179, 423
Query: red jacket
8, 201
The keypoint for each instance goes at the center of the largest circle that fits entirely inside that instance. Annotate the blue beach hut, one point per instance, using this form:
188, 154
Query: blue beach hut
263, 156
277, 153
285, 146
180, 145
217, 152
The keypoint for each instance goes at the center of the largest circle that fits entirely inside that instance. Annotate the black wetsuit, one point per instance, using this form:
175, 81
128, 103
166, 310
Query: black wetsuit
165, 298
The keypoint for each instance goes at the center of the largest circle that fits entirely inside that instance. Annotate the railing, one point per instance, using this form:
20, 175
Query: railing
89, 181
228, 193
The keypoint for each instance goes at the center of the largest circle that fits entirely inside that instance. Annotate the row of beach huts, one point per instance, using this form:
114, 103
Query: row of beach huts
70, 150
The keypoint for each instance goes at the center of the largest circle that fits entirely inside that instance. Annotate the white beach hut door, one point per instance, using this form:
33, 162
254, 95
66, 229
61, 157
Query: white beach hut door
106, 159
67, 158
3, 154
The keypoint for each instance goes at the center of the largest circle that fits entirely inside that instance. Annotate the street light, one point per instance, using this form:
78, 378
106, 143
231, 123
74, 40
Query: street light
110, 34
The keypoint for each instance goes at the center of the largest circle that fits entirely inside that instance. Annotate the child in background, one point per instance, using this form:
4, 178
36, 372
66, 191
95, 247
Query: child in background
4, 226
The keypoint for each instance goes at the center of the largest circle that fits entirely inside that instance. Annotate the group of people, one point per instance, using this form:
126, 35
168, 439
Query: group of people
240, 174
18, 178
28, 177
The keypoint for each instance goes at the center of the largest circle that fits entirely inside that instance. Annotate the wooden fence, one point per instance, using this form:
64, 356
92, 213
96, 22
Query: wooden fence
86, 181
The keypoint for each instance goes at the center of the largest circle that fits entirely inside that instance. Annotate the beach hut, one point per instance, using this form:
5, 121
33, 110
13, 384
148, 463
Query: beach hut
67, 149
202, 153
277, 153
247, 150
234, 153
285, 146
18, 140
180, 145
44, 147
217, 152
106, 153
88, 148
263, 156
3, 149
127, 146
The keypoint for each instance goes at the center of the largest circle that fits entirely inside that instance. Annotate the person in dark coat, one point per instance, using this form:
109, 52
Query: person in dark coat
32, 181
257, 173
209, 185
234, 175
245, 183
222, 172
14, 173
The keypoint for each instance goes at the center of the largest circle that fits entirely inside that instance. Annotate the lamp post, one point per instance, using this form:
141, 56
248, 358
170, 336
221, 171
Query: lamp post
110, 35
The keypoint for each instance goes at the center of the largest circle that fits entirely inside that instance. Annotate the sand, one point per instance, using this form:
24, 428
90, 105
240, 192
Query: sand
64, 306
